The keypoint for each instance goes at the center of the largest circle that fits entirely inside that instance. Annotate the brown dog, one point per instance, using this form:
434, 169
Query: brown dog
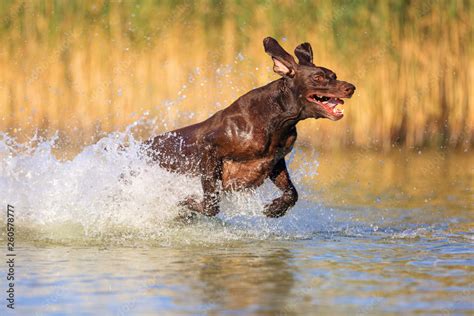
245, 143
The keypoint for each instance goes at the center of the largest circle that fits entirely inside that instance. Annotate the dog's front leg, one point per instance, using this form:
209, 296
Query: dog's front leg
281, 179
211, 174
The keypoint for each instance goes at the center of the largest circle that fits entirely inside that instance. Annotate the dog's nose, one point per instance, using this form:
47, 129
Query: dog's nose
349, 88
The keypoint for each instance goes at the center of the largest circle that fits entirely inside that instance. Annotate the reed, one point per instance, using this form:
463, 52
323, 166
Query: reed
87, 67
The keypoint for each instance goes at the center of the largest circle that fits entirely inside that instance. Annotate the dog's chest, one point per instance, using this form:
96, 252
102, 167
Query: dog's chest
251, 172
237, 175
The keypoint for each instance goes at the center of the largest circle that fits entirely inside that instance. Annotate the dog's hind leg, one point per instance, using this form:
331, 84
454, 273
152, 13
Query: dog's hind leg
280, 177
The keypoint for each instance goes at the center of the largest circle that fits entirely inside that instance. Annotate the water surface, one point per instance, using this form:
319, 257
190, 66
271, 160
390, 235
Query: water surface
371, 234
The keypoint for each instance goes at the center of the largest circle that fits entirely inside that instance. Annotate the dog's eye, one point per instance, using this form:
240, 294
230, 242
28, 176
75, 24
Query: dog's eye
318, 78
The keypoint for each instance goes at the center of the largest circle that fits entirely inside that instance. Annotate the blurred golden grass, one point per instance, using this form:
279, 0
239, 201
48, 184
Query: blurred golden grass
96, 66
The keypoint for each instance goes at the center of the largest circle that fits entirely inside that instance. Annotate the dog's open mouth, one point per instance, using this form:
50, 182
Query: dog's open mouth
328, 104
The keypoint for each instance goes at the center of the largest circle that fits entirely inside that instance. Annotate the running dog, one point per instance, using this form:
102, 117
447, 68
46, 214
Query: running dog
244, 144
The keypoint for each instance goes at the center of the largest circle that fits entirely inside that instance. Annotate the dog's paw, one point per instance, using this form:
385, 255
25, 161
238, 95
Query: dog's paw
192, 204
276, 209
185, 217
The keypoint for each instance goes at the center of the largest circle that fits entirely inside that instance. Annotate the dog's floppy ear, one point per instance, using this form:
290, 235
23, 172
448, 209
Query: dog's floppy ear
283, 63
304, 52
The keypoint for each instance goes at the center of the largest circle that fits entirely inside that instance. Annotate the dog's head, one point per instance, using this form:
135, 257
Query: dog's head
317, 89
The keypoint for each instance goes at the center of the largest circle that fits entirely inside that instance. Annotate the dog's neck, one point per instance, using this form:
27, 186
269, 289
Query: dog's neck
282, 104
